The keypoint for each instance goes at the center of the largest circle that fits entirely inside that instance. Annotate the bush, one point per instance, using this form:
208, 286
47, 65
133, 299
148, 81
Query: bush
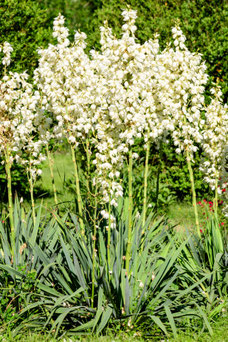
61, 281
19, 181
174, 173
25, 25
78, 14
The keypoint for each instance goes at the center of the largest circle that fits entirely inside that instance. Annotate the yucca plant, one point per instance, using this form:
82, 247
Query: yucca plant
21, 270
79, 295
206, 258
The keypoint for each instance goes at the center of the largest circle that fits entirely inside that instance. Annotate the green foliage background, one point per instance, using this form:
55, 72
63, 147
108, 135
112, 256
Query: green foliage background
25, 24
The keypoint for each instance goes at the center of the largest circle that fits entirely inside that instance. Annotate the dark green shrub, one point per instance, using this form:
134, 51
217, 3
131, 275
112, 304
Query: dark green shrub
19, 181
78, 14
25, 25
174, 172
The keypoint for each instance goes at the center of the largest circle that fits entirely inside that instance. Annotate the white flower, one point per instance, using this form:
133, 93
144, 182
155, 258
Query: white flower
141, 284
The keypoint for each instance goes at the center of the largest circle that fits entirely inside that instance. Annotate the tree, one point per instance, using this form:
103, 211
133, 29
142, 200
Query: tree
26, 26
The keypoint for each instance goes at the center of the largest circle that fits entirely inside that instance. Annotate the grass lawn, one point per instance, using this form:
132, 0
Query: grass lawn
63, 172
182, 215
220, 329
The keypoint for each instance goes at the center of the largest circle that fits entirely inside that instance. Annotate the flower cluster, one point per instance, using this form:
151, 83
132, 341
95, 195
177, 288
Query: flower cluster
21, 119
125, 91
215, 138
184, 98
111, 97
6, 48
209, 204
207, 207
67, 84
108, 99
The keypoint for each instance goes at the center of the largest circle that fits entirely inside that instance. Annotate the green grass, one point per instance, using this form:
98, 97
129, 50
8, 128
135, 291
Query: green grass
182, 215
220, 333
63, 173
220, 329
63, 170
107, 338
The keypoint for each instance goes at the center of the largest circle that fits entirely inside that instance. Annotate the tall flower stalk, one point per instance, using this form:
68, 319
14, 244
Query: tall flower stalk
216, 198
88, 159
10, 199
145, 184
215, 142
20, 122
31, 188
194, 203
94, 237
78, 192
158, 176
51, 164
130, 209
109, 234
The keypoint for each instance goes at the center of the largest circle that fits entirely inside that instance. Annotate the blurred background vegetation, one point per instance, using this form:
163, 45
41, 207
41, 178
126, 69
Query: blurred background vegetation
27, 25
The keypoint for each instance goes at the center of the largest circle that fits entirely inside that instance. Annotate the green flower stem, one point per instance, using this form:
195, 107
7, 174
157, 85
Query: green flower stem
10, 200
109, 234
193, 192
94, 245
158, 176
79, 199
216, 198
130, 206
88, 156
31, 189
51, 163
145, 185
